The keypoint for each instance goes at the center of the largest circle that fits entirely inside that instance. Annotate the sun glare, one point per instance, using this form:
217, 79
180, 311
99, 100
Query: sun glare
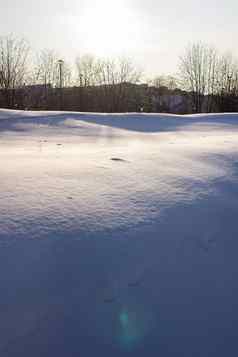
108, 28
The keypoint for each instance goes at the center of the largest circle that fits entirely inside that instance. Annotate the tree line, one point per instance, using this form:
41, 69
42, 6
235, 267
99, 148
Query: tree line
206, 81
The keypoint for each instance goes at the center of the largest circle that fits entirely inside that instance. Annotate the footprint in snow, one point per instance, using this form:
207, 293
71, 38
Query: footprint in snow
102, 167
118, 159
134, 284
109, 300
207, 243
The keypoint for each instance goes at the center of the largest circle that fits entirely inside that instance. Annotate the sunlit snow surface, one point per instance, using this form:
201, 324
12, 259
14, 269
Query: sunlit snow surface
118, 235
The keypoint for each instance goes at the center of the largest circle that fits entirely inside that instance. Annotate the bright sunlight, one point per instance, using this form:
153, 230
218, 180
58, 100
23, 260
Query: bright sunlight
109, 28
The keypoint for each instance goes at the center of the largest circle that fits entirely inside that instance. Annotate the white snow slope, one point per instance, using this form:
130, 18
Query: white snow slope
118, 235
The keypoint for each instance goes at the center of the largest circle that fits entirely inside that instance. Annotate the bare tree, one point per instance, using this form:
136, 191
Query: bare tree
86, 70
227, 74
47, 68
198, 69
126, 75
167, 81
108, 79
14, 53
117, 76
49, 72
227, 79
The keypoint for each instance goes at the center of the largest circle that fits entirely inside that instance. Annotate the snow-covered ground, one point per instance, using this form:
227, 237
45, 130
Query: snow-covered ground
118, 235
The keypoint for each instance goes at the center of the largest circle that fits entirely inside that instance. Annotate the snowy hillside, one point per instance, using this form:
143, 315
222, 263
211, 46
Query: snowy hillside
118, 235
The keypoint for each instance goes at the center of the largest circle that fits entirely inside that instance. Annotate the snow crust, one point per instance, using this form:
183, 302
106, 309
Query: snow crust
118, 234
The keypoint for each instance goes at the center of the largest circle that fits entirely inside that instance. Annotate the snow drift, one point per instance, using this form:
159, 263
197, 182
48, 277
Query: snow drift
118, 234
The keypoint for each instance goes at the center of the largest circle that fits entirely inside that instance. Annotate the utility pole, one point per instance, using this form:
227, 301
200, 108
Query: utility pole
1, 78
61, 62
229, 78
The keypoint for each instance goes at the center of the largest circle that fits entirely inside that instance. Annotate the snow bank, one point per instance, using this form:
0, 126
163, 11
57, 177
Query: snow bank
139, 122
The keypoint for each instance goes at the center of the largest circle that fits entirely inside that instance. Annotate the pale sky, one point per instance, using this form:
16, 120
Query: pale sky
151, 32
